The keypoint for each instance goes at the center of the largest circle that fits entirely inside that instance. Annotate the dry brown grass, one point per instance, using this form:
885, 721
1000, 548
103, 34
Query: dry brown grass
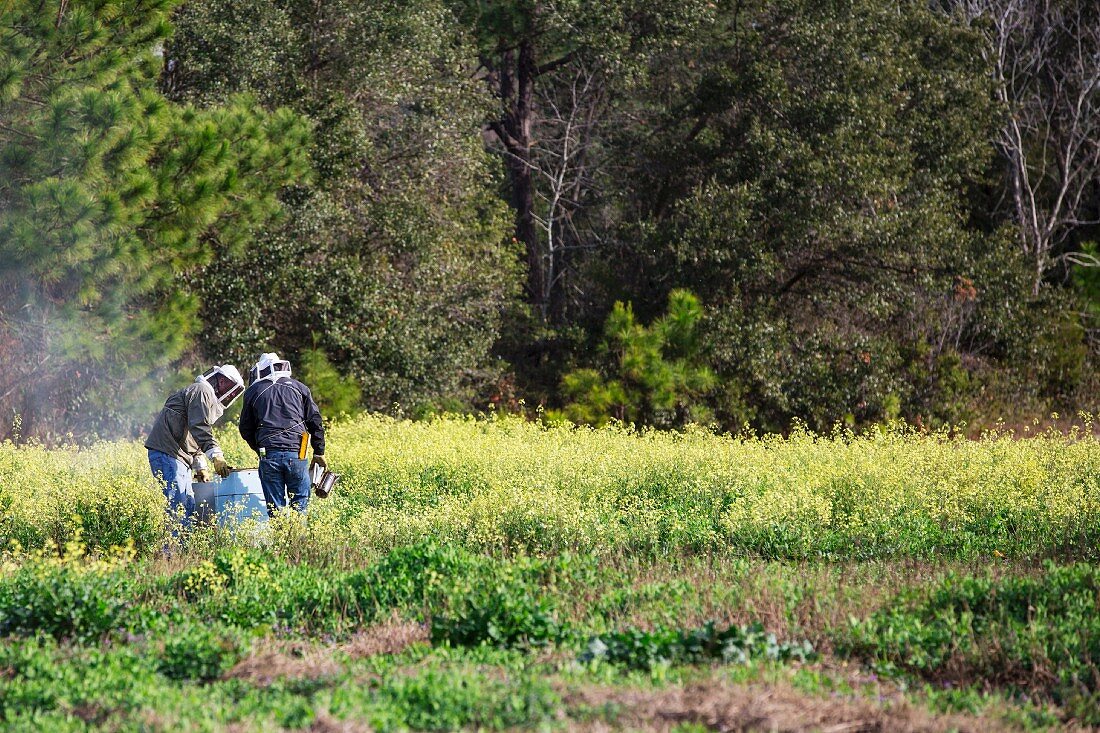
273, 661
277, 660
389, 637
325, 723
777, 707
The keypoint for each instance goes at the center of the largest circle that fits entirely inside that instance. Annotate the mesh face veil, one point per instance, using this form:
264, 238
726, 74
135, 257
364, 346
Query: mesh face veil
227, 389
270, 367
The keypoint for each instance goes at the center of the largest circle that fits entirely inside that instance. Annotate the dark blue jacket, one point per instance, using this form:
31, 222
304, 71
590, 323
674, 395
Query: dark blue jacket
275, 414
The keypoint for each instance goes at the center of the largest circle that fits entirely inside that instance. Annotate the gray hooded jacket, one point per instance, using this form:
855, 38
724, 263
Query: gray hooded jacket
184, 428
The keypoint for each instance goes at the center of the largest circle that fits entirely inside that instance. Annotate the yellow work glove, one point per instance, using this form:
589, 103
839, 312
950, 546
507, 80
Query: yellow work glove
222, 468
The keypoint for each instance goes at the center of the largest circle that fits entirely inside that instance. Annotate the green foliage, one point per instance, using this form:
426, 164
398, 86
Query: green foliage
216, 178
474, 600
335, 394
508, 608
656, 377
394, 256
442, 700
199, 652
816, 195
64, 601
639, 649
110, 192
1039, 634
469, 600
1086, 279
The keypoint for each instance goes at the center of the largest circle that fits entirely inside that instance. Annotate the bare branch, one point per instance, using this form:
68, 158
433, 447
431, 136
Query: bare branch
1045, 62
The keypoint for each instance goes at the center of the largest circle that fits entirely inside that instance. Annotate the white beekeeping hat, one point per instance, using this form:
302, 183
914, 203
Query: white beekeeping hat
270, 367
230, 393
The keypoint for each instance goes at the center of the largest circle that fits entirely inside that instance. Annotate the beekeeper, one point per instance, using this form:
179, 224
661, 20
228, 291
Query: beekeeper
182, 438
281, 421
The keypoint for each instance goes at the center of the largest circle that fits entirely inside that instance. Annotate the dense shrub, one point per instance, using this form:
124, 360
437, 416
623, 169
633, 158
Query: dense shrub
437, 700
505, 607
469, 599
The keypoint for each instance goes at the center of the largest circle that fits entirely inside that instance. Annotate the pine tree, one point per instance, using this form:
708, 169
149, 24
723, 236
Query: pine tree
656, 374
394, 260
106, 192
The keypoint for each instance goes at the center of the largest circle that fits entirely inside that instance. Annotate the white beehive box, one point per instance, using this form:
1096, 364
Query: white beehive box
236, 497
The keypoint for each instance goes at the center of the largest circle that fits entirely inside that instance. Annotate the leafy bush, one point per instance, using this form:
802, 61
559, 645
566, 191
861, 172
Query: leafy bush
57, 687
639, 649
335, 394
505, 606
1038, 634
199, 652
441, 700
657, 375
471, 599
412, 575
249, 589
65, 600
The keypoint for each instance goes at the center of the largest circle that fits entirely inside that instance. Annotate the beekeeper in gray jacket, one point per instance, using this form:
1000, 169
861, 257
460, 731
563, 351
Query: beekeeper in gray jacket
182, 437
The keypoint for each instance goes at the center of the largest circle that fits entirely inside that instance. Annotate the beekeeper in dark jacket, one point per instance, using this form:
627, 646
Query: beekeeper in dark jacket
182, 437
281, 422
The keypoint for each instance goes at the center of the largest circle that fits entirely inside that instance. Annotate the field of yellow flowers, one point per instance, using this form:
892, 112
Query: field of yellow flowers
507, 485
499, 574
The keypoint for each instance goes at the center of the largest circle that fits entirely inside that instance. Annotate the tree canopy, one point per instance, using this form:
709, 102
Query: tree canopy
108, 191
723, 211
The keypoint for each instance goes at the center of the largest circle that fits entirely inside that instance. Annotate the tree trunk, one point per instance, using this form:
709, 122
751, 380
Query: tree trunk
518, 121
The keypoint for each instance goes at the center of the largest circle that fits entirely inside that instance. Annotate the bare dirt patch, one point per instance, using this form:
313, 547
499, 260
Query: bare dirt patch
325, 723
724, 706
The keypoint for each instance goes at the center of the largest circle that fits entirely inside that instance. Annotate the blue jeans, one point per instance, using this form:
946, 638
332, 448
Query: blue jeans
282, 472
175, 478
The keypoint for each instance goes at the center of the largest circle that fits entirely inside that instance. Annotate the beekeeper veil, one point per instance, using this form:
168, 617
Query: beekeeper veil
269, 367
229, 387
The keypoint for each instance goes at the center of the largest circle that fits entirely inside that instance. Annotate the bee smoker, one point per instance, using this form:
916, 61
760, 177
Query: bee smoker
323, 480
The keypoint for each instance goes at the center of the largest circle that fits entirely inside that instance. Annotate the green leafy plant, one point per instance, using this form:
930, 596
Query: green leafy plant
335, 393
1037, 634
199, 652
65, 601
637, 649
470, 599
656, 374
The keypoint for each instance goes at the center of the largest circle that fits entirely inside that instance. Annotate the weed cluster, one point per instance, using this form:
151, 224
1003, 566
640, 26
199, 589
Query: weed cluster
1039, 635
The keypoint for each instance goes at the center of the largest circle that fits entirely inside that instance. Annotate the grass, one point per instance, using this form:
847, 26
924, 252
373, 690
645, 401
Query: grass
496, 574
